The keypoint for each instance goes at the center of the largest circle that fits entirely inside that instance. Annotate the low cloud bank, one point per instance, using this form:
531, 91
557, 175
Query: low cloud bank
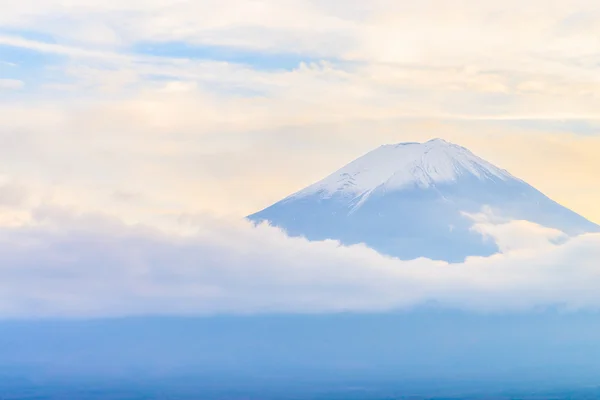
66, 265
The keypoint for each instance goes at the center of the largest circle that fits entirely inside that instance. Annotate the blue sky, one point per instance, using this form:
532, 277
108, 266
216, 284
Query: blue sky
259, 60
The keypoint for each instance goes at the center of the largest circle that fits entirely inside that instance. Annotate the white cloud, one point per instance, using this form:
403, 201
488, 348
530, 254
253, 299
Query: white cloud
11, 84
12, 194
16, 41
89, 265
511, 236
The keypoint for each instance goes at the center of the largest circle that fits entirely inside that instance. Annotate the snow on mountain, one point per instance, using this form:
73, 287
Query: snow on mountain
403, 165
409, 200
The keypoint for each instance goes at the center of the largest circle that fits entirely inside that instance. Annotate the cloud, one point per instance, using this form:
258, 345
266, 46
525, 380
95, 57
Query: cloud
16, 41
474, 60
511, 236
87, 265
12, 194
11, 84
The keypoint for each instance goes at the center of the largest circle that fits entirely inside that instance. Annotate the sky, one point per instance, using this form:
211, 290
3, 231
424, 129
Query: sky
151, 108
149, 113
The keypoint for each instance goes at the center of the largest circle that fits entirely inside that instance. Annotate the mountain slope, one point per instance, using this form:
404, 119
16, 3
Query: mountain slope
408, 200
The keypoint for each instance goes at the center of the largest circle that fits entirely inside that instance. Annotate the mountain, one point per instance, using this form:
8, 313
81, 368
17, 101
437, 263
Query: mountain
409, 200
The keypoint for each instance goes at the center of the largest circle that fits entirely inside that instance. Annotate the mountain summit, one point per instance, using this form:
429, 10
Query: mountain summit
406, 165
409, 200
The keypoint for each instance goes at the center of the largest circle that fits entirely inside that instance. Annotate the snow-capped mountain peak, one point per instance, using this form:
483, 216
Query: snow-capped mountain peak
398, 166
410, 200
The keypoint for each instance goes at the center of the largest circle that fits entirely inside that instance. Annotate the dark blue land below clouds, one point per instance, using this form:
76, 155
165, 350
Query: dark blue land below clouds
427, 354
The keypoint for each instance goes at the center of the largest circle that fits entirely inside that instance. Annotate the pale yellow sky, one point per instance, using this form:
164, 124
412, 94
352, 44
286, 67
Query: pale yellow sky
167, 115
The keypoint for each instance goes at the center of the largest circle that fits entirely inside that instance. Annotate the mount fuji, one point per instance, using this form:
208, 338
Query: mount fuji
411, 200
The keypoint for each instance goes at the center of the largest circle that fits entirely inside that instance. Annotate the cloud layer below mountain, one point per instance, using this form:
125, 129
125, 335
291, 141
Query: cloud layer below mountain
68, 265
